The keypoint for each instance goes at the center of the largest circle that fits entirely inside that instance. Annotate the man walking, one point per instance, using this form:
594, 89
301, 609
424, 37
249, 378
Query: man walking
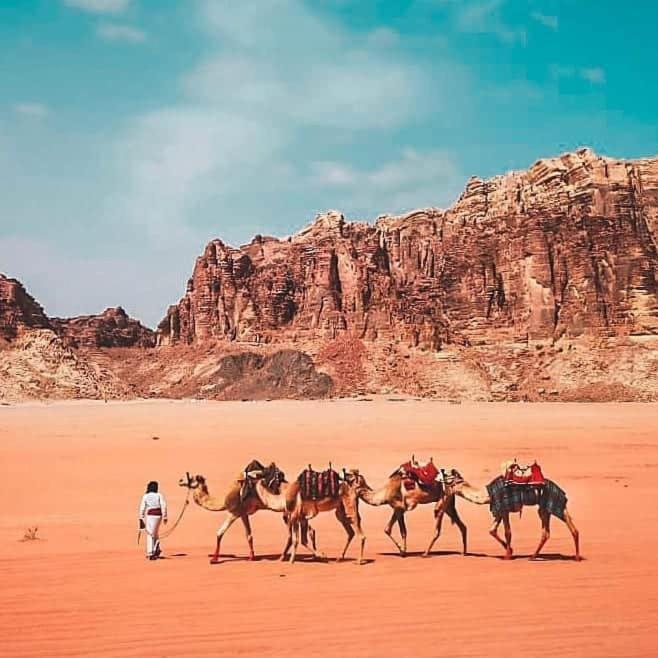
152, 511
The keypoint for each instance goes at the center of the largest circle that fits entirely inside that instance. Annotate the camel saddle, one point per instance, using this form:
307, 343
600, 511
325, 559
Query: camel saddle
525, 475
315, 485
414, 472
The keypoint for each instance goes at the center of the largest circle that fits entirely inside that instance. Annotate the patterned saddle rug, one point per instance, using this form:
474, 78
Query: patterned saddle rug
316, 485
517, 474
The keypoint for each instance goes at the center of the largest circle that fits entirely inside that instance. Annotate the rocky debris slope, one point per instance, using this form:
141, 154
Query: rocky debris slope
18, 310
112, 328
38, 366
567, 248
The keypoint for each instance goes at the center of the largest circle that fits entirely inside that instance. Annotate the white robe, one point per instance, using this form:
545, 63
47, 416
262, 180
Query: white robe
152, 521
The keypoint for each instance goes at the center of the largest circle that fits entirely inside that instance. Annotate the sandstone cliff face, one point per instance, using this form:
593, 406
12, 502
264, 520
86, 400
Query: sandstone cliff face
18, 310
112, 328
567, 248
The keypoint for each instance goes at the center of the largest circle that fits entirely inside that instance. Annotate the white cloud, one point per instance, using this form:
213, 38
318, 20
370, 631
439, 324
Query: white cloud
99, 6
593, 75
249, 106
177, 158
32, 110
484, 17
119, 32
551, 22
416, 179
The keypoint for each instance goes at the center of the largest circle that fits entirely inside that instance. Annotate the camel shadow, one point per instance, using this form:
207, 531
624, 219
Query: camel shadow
543, 557
421, 554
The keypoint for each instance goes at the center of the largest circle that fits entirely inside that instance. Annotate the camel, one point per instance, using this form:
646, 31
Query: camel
403, 500
482, 497
243, 499
345, 505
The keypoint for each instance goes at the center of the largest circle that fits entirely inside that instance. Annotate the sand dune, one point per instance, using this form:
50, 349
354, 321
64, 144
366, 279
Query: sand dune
77, 471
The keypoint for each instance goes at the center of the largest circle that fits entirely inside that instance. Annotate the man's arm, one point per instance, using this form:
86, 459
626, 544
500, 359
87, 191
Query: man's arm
163, 506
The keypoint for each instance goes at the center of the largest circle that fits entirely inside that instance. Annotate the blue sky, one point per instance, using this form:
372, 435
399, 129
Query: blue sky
134, 131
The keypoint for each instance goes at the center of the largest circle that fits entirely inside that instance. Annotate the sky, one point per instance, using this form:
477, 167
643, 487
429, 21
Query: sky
132, 132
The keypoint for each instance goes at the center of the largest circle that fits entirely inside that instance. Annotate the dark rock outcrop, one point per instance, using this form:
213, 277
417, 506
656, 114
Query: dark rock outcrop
112, 328
283, 374
567, 248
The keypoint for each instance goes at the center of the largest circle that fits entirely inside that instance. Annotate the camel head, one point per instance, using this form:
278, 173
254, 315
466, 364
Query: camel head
192, 481
355, 481
271, 476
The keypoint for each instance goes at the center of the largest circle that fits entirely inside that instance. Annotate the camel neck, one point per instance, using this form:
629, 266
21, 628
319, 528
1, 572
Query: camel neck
377, 497
203, 498
473, 494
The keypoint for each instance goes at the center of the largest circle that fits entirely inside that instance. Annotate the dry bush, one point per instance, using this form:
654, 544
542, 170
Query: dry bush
31, 534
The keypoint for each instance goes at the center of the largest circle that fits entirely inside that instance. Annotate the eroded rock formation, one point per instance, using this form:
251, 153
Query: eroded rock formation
566, 248
18, 309
112, 328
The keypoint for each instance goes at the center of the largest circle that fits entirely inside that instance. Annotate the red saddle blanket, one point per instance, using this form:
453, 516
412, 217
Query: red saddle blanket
425, 474
528, 475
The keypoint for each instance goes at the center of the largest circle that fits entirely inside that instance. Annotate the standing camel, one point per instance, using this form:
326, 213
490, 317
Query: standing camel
242, 500
345, 504
550, 501
402, 499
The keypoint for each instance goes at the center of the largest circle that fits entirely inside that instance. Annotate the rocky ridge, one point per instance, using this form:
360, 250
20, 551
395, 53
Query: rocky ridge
564, 249
112, 328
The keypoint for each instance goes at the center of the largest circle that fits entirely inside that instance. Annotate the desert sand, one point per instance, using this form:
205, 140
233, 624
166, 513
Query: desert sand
77, 471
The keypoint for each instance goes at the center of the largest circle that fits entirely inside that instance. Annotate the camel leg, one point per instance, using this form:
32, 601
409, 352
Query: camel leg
231, 519
295, 530
286, 548
402, 525
508, 537
438, 516
308, 531
545, 518
362, 537
574, 533
389, 531
493, 531
345, 522
250, 539
451, 511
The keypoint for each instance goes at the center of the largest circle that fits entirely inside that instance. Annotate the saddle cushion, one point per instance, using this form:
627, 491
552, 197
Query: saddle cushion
425, 474
316, 485
524, 475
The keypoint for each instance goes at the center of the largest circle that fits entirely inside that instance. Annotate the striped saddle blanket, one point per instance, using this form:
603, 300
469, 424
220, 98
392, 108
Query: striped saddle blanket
316, 485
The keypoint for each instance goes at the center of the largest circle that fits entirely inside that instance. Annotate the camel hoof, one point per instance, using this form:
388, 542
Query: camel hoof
508, 555
251, 558
215, 560
578, 558
426, 554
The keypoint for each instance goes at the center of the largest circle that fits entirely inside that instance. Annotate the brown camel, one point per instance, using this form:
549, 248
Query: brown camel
242, 500
482, 497
403, 500
345, 505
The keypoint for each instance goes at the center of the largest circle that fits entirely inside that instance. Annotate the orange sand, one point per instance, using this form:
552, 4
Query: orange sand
77, 470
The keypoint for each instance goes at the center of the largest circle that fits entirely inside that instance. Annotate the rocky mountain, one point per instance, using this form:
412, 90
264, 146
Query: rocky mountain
565, 249
112, 328
535, 285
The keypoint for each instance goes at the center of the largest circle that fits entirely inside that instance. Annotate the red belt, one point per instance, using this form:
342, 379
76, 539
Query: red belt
154, 511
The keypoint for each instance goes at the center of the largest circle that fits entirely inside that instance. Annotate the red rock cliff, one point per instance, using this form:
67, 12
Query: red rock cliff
567, 247
18, 310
